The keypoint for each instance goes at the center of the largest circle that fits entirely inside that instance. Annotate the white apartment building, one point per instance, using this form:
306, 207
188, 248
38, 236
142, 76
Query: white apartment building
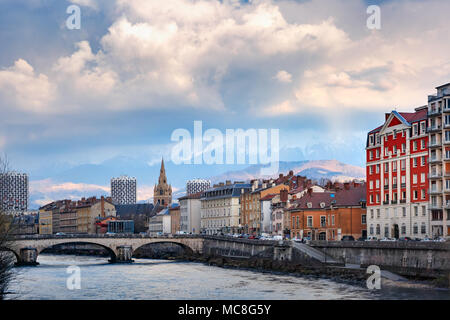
14, 192
190, 213
124, 190
220, 208
439, 133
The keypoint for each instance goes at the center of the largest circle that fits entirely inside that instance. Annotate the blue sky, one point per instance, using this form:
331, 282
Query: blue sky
137, 70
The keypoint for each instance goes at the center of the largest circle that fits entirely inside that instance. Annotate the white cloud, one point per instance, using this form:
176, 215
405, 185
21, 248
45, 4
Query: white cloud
283, 76
20, 85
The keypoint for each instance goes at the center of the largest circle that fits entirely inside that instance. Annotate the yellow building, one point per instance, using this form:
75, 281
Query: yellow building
251, 205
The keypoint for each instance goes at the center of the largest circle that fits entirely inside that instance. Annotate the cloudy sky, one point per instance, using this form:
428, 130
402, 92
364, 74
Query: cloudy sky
139, 69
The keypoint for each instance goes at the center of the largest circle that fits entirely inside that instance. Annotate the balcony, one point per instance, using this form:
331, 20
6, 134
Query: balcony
435, 112
386, 187
385, 202
394, 202
447, 109
403, 185
447, 125
403, 201
446, 142
435, 160
394, 186
435, 144
435, 206
434, 129
447, 190
435, 191
435, 175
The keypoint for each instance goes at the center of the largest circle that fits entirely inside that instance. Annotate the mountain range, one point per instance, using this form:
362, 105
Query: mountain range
94, 179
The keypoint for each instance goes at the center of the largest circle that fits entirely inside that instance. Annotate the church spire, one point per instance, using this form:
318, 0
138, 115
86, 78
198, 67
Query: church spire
162, 191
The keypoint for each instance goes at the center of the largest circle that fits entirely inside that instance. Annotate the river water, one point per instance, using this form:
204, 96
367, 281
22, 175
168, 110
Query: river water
164, 279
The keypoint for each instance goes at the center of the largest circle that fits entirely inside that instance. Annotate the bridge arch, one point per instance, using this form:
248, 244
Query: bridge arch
112, 253
180, 244
16, 254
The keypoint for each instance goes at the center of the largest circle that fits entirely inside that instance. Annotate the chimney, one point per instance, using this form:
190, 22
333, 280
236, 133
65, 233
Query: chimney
386, 116
264, 185
310, 191
283, 195
355, 184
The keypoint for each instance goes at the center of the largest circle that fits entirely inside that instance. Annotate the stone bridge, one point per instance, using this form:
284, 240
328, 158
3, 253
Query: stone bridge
121, 247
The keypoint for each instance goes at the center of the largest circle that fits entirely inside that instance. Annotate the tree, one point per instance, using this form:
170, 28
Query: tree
6, 259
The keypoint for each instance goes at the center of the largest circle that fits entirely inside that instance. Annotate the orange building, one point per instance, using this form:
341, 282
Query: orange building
330, 215
175, 216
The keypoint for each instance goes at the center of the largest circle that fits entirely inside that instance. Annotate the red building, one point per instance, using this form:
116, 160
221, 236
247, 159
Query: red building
397, 176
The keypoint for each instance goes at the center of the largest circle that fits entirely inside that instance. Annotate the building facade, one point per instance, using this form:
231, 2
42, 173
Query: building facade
14, 192
330, 215
197, 185
220, 208
251, 204
439, 164
162, 192
174, 212
397, 176
190, 213
124, 190
160, 223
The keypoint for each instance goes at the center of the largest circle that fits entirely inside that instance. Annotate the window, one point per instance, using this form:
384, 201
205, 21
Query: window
423, 228
371, 198
370, 184
403, 228
371, 229
386, 167
386, 151
363, 219
415, 146
332, 220
378, 229
424, 211
310, 221
386, 213
415, 195
378, 168
377, 184
422, 194
404, 212
323, 221
422, 178
422, 127
414, 162
416, 211
415, 229
371, 139
394, 166
414, 178
371, 213
386, 231
370, 155
423, 162
415, 129
370, 169
403, 147
378, 213
422, 144
403, 164
377, 153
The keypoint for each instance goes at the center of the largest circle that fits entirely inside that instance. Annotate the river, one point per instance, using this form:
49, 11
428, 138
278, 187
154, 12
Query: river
164, 279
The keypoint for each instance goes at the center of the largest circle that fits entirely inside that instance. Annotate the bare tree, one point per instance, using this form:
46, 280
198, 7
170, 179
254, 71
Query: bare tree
6, 259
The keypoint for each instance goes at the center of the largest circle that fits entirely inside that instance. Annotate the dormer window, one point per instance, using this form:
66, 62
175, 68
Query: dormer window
309, 204
415, 129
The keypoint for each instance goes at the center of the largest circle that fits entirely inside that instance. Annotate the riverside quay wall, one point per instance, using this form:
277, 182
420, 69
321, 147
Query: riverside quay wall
422, 259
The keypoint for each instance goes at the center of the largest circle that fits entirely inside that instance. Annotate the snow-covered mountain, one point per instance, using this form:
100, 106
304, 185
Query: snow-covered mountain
94, 179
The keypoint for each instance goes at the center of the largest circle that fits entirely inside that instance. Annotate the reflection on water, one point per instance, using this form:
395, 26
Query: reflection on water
162, 279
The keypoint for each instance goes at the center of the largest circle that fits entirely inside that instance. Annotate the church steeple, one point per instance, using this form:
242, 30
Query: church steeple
162, 193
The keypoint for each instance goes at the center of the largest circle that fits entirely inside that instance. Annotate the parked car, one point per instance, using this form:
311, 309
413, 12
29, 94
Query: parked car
440, 239
297, 240
371, 238
386, 239
110, 233
60, 234
252, 237
426, 239
181, 232
348, 238
159, 234
405, 239
362, 239
277, 237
